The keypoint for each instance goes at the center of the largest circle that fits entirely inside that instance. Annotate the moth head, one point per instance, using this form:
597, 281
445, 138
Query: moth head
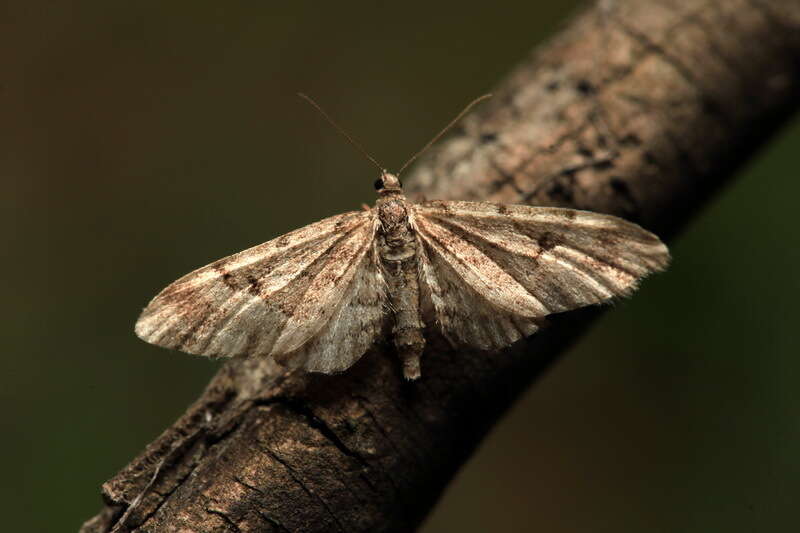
388, 183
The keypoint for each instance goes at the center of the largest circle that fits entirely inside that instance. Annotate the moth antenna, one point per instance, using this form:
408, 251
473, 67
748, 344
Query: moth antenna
439, 135
346, 135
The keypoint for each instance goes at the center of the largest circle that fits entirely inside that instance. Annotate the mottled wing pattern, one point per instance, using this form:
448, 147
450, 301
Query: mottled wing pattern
525, 263
463, 313
279, 299
353, 327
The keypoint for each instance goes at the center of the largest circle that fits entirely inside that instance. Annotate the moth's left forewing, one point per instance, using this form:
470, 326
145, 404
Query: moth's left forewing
305, 298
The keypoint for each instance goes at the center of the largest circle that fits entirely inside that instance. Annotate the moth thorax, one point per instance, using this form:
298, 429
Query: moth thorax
392, 213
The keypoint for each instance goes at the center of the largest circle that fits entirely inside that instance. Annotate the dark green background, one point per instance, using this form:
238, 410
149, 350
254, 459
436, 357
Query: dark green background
139, 140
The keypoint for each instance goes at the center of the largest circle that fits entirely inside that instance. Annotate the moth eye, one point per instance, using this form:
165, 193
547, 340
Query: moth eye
378, 184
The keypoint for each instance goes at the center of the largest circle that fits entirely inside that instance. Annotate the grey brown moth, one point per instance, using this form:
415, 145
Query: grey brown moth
481, 273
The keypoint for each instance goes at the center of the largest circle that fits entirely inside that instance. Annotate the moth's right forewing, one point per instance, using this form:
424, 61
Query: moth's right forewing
564, 258
460, 311
240, 305
478, 269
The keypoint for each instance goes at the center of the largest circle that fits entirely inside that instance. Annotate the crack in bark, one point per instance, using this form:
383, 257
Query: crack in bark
298, 407
507, 178
363, 403
274, 522
567, 172
225, 518
311, 493
713, 46
327, 432
181, 446
187, 441
708, 104
271, 521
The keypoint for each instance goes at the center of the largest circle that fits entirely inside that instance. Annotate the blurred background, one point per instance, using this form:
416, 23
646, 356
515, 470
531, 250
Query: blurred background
140, 140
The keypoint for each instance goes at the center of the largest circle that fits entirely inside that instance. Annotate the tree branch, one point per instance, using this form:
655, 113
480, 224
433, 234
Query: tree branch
641, 109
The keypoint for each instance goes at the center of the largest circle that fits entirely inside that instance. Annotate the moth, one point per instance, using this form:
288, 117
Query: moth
482, 274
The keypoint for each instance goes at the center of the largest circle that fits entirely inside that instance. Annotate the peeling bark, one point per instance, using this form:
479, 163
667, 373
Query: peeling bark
643, 110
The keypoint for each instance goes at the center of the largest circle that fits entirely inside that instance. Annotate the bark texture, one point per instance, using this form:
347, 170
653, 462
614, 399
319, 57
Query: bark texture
637, 108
